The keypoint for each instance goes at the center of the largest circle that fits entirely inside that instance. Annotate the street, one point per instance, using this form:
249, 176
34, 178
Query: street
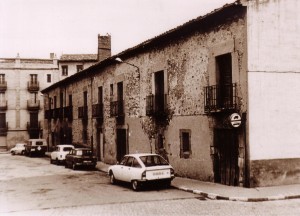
32, 186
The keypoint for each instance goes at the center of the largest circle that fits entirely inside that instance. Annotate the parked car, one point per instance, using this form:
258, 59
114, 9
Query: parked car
18, 149
139, 169
80, 157
60, 152
36, 147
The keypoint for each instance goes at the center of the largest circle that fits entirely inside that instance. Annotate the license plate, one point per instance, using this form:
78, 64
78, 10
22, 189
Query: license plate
158, 174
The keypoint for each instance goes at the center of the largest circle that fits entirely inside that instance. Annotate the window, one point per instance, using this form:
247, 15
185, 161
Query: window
111, 90
48, 78
2, 78
64, 70
79, 68
185, 143
33, 78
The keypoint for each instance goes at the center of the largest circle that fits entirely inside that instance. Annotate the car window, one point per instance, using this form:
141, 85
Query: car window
67, 149
153, 160
136, 164
123, 161
129, 161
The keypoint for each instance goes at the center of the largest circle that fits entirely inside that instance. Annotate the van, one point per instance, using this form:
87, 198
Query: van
36, 147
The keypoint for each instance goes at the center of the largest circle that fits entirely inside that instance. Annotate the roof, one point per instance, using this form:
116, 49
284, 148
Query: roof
199, 24
79, 57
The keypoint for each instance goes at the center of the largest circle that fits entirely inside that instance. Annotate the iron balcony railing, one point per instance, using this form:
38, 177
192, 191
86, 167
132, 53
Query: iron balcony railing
33, 126
48, 114
156, 105
3, 105
33, 105
68, 112
83, 112
97, 110
3, 86
219, 98
116, 108
33, 86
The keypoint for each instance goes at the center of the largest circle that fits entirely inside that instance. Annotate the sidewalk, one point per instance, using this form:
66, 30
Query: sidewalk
223, 192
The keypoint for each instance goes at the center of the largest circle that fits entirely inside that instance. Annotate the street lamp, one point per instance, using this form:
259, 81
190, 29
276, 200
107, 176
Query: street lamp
139, 76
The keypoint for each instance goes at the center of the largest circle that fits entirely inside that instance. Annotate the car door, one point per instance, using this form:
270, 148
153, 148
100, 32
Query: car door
127, 169
119, 169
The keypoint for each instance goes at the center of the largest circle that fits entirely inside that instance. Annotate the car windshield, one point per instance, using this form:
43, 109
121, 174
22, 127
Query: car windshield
84, 152
67, 149
19, 145
153, 160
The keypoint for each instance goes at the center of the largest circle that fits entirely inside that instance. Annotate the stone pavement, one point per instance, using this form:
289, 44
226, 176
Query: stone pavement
224, 192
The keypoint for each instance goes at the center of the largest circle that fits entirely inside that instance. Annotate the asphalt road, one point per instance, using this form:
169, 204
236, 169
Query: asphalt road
32, 186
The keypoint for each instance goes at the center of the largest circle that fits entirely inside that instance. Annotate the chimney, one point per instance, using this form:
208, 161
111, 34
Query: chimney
104, 47
51, 55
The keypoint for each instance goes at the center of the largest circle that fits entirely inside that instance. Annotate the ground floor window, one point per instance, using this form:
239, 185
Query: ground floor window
185, 143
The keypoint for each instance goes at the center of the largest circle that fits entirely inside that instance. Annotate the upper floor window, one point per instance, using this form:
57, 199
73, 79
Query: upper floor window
111, 90
2, 78
48, 78
64, 70
79, 68
33, 78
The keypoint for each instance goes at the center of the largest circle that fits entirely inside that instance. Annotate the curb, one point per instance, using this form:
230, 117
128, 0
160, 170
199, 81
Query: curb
213, 196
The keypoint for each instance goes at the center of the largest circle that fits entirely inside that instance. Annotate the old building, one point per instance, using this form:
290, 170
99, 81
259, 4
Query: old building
21, 104
206, 95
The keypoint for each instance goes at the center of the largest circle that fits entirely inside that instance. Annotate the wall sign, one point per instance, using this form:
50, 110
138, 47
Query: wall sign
235, 120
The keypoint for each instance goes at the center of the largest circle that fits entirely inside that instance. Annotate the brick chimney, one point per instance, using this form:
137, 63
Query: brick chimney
104, 47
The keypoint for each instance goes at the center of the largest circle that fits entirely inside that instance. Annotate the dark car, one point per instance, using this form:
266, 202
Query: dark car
36, 147
80, 157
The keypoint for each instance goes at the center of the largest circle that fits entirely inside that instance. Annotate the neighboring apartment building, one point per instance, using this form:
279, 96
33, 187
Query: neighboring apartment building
21, 104
218, 95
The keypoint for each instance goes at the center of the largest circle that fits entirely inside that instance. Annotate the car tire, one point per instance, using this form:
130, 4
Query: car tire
136, 186
13, 153
51, 161
73, 166
22, 152
56, 161
112, 178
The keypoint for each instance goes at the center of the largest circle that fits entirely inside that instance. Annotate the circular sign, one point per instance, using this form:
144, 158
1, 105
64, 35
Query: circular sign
235, 120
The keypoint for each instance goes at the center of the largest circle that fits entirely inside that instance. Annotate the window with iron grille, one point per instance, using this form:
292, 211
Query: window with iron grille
48, 78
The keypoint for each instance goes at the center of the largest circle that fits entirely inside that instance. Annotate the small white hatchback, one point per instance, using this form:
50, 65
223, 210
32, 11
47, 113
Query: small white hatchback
18, 149
59, 154
139, 169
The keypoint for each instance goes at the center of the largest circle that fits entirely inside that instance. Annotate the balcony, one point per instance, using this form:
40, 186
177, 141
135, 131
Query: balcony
48, 114
68, 112
57, 113
83, 112
116, 108
33, 127
4, 129
97, 110
33, 105
3, 86
33, 86
219, 98
156, 105
3, 105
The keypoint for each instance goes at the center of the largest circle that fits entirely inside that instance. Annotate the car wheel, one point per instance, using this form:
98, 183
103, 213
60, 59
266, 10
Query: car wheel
56, 161
74, 166
167, 183
112, 178
22, 152
51, 161
135, 185
13, 153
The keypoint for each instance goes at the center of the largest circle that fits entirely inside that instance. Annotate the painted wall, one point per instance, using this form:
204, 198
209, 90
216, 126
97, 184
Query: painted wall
274, 78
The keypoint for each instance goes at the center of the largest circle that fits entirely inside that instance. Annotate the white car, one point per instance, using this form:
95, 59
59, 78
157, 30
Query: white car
139, 169
59, 154
18, 149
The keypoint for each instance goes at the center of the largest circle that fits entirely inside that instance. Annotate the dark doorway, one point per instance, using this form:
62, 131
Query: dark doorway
34, 129
121, 143
226, 169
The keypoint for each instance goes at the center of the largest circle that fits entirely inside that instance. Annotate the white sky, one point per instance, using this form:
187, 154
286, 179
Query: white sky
35, 28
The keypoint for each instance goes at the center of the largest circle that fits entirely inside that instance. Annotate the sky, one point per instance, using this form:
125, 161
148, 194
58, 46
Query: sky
36, 28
